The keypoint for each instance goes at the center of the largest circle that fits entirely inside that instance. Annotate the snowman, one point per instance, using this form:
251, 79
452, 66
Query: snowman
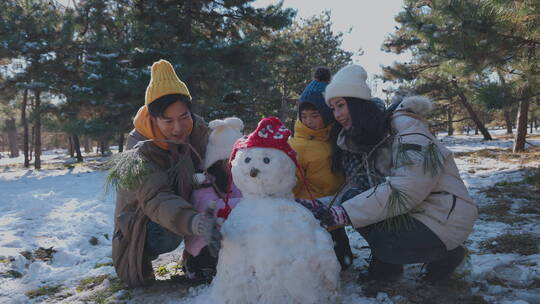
273, 249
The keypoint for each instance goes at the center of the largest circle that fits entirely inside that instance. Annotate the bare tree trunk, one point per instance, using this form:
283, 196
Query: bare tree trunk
121, 142
531, 124
86, 144
37, 125
521, 134
70, 146
479, 125
450, 118
508, 121
77, 147
104, 147
32, 142
25, 128
3, 142
11, 128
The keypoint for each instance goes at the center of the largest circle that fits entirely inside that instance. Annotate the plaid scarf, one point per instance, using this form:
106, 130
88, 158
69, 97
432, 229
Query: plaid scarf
361, 172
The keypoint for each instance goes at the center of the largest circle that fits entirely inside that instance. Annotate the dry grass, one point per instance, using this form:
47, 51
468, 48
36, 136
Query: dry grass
524, 243
504, 155
527, 189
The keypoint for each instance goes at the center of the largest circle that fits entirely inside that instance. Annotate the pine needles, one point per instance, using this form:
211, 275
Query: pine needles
402, 156
397, 208
433, 159
128, 170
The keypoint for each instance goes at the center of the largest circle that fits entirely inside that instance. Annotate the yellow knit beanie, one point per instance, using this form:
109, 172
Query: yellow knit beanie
163, 81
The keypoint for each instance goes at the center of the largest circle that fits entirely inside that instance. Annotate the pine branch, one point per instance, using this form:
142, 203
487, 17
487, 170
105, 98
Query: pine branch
403, 158
433, 159
128, 170
397, 207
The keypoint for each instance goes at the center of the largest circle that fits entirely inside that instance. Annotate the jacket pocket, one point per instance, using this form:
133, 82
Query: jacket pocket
125, 224
121, 236
440, 206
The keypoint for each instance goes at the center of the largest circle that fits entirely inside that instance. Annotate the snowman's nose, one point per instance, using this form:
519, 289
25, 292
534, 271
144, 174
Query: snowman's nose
253, 172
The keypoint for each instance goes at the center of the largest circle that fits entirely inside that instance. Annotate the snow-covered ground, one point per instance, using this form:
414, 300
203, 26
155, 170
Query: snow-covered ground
64, 207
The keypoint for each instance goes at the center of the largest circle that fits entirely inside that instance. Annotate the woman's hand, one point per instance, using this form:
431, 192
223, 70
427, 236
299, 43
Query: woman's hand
330, 217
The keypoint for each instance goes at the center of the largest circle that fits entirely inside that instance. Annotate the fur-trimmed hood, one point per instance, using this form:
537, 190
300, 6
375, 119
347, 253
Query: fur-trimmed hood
416, 104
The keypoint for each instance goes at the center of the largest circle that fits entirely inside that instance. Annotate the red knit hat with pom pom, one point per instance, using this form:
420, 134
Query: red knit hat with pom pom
270, 133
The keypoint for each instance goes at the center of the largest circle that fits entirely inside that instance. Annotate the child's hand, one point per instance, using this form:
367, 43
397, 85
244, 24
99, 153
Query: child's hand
206, 225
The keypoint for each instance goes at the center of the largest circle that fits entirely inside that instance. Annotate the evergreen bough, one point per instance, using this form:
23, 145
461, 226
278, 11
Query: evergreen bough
128, 170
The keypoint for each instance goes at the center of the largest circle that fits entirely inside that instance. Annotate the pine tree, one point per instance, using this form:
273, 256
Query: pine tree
463, 43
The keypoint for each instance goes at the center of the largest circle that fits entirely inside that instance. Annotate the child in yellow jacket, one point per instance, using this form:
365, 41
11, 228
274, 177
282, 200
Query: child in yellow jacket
314, 144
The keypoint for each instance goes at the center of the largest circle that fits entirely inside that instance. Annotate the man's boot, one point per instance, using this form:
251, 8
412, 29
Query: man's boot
383, 272
443, 268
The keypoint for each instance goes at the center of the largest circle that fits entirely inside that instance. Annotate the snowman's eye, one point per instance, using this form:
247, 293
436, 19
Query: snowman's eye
266, 160
247, 160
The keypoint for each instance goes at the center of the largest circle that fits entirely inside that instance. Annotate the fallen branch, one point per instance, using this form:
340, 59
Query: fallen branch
446, 122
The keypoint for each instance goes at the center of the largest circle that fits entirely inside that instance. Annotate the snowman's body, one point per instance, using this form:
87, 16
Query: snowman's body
273, 249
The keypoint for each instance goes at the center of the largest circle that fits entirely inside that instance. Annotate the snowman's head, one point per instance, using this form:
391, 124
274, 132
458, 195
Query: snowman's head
263, 172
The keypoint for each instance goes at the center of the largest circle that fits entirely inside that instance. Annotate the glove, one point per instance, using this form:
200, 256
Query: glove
308, 204
331, 217
206, 226
328, 216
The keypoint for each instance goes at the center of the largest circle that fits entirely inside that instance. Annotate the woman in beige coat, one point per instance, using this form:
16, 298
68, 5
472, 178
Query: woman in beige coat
404, 192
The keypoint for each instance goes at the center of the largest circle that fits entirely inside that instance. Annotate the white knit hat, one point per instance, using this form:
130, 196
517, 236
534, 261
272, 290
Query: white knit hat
222, 138
349, 81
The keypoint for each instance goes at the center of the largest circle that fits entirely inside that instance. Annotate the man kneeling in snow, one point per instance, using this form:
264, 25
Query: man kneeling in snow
154, 180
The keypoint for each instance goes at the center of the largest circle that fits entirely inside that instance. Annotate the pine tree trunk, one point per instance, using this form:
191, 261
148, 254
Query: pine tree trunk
479, 125
32, 142
11, 127
37, 151
531, 124
25, 129
86, 144
121, 143
70, 146
77, 147
508, 121
450, 118
521, 133
104, 147
3, 142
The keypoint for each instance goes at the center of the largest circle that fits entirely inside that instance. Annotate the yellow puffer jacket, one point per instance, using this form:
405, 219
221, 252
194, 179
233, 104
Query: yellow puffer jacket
314, 157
